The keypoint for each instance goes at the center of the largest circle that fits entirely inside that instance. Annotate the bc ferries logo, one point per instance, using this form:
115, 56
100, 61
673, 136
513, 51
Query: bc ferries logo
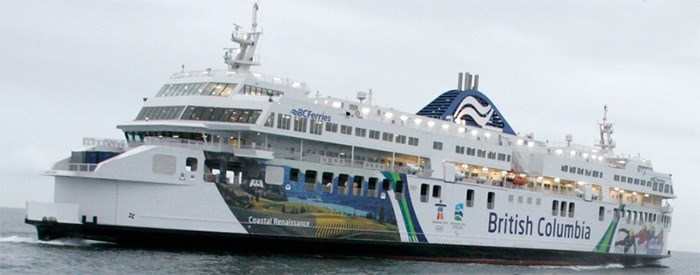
471, 107
306, 113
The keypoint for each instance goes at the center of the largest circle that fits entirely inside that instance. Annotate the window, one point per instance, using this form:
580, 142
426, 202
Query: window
571, 209
300, 124
401, 139
471, 151
555, 207
387, 136
310, 180
481, 153
424, 192
284, 121
344, 129
316, 127
510, 198
327, 182
564, 168
520, 199
270, 121
373, 134
293, 174
437, 191
413, 141
386, 184
372, 187
490, 200
437, 145
191, 164
459, 149
357, 185
331, 127
360, 132
399, 190
343, 184
470, 198
563, 209
601, 213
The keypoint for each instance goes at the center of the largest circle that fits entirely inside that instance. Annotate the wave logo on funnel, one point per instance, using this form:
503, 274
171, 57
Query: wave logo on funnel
472, 108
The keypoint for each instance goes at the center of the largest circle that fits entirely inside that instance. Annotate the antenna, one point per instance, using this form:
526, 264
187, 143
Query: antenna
255, 16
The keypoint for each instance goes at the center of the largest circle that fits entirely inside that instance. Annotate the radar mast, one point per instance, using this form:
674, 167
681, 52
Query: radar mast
241, 58
606, 143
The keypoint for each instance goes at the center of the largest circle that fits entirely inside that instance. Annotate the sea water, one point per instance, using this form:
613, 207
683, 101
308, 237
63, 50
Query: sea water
22, 253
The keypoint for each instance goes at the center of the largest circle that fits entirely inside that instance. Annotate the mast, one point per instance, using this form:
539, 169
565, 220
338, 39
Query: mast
245, 52
606, 143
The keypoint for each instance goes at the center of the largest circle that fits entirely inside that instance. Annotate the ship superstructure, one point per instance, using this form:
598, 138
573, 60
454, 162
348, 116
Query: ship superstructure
235, 158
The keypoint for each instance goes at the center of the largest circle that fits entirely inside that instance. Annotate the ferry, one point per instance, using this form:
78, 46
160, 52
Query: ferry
244, 161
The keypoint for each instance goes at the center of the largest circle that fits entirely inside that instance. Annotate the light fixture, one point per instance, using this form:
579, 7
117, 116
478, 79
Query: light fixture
474, 132
431, 123
519, 142
365, 110
388, 115
336, 104
461, 129
403, 118
558, 151
445, 126
417, 121
487, 135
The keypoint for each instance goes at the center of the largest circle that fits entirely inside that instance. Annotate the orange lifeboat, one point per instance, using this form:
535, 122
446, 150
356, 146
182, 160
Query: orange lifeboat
515, 178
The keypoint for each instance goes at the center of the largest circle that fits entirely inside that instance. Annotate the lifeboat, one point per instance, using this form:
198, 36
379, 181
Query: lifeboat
515, 178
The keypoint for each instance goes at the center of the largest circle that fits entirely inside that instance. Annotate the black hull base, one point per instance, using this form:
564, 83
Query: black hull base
263, 244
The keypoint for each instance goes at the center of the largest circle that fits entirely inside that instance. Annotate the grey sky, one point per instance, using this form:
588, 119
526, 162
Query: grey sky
70, 69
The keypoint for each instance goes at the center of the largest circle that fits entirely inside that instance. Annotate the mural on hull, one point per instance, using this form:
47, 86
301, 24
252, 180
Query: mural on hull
631, 238
304, 207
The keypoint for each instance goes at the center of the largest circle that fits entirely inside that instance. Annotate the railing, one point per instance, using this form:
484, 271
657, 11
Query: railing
226, 73
201, 145
105, 142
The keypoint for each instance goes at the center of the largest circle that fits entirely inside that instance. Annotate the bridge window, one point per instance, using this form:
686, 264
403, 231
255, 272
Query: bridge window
360, 132
437, 145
